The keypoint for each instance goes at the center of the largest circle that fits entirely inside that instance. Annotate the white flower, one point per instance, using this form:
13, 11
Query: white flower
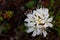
38, 21
43, 12
35, 30
48, 22
43, 30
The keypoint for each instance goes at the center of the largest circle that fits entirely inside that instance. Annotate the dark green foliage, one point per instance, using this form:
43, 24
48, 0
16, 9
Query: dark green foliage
57, 22
52, 2
1, 19
30, 4
51, 13
5, 27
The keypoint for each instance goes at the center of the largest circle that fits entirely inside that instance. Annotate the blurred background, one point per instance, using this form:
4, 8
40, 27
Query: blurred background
13, 13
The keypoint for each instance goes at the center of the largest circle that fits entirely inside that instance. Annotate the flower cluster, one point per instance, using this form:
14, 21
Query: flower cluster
38, 21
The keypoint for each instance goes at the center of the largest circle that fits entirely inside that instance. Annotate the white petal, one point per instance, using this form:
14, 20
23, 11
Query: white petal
26, 20
31, 24
39, 10
34, 33
50, 19
28, 15
38, 26
45, 25
25, 24
38, 31
44, 33
29, 30
45, 10
41, 16
46, 16
50, 24
36, 13
43, 21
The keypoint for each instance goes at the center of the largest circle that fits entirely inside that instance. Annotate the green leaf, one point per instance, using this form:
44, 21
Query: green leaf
51, 13
30, 4
3, 29
58, 13
55, 28
24, 28
34, 1
1, 19
7, 26
58, 30
57, 18
57, 22
52, 2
